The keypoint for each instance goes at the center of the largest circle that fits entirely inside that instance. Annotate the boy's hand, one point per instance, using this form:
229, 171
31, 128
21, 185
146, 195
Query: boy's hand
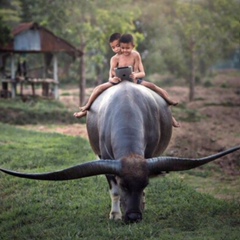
115, 79
133, 76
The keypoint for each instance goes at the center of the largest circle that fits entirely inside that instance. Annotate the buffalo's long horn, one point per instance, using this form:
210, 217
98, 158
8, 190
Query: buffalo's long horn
167, 164
80, 171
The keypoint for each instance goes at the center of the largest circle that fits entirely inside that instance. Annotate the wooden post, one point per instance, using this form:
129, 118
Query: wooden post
44, 74
13, 77
55, 75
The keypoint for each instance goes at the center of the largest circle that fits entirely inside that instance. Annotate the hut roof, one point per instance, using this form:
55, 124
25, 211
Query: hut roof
33, 38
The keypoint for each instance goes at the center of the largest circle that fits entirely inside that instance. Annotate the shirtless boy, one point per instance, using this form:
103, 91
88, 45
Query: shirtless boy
125, 56
115, 45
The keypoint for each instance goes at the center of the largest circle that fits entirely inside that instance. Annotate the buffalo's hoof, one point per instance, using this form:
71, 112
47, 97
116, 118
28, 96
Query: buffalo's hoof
115, 216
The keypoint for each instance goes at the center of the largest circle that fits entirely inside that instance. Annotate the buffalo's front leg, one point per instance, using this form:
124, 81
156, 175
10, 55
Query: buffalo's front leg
115, 212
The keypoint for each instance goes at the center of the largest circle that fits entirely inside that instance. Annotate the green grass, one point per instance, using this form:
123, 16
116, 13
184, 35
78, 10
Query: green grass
34, 111
79, 209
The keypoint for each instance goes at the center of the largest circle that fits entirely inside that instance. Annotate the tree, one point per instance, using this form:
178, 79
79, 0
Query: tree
186, 37
203, 29
5, 33
225, 15
193, 28
10, 12
93, 22
9, 17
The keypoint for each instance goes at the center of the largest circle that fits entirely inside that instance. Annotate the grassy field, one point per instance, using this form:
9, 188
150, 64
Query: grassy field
33, 111
79, 209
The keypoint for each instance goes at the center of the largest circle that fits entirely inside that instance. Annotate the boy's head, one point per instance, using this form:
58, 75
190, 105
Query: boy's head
114, 42
126, 44
114, 36
127, 38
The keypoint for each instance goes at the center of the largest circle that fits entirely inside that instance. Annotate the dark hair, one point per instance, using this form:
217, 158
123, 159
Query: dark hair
114, 36
127, 38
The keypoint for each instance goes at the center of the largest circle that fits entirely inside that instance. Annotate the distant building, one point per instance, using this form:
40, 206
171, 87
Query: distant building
31, 38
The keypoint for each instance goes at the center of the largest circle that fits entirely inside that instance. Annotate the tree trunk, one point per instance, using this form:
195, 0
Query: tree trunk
99, 75
82, 80
193, 73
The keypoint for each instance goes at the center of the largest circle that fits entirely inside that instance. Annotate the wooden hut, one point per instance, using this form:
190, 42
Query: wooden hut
29, 38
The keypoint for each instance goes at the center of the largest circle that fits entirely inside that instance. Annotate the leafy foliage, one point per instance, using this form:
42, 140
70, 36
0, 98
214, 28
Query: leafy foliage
187, 37
10, 12
183, 38
5, 33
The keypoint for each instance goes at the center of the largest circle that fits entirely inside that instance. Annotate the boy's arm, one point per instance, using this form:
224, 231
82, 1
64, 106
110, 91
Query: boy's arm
113, 65
138, 67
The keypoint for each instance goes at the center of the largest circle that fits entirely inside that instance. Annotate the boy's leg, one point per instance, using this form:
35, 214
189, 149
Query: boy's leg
175, 123
160, 91
96, 92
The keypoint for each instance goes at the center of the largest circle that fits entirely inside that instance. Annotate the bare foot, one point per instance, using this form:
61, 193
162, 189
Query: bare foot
79, 114
172, 103
175, 123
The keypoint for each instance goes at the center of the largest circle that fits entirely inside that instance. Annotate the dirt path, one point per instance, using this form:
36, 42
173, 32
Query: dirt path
76, 130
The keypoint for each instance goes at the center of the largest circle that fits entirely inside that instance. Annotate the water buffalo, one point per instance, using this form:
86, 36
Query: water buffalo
129, 126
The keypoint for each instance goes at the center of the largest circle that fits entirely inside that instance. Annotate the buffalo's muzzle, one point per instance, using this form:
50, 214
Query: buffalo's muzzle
133, 217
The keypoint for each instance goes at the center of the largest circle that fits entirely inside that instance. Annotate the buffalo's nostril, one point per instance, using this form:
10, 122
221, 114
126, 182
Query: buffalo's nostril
133, 217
